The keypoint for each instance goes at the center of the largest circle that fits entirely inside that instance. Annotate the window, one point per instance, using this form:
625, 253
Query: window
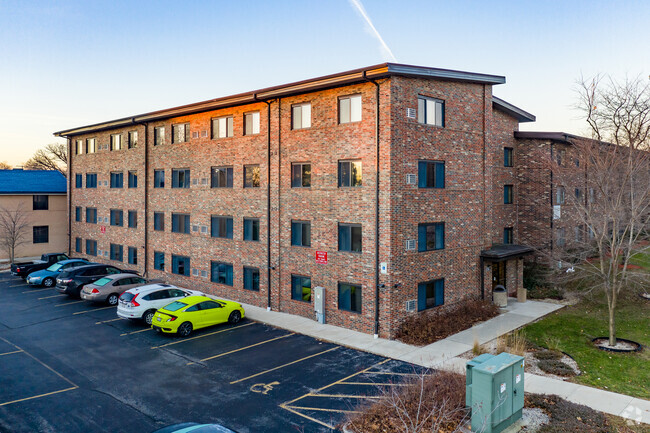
77, 213
116, 142
221, 227
78, 181
180, 133
117, 179
133, 219
40, 202
133, 179
251, 278
181, 178
349, 173
350, 237
301, 116
222, 127
221, 273
116, 252
91, 180
91, 215
159, 136
77, 245
507, 156
300, 175
90, 145
431, 174
431, 236
507, 194
559, 195
159, 178
560, 156
133, 256
91, 247
78, 147
350, 297
133, 139
251, 229
577, 162
507, 235
350, 109
180, 223
41, 234
431, 294
251, 176
221, 177
158, 261
181, 265
159, 221
117, 216
252, 123
560, 237
431, 111
578, 232
301, 233
301, 288
592, 195
578, 193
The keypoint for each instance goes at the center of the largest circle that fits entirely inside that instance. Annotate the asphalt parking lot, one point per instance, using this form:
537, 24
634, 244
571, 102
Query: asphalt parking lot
69, 365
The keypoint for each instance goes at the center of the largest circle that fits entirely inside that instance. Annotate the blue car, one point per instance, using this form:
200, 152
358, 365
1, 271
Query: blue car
47, 277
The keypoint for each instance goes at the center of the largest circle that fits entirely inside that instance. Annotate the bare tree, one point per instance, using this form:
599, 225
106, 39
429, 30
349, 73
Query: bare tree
4, 165
52, 157
14, 229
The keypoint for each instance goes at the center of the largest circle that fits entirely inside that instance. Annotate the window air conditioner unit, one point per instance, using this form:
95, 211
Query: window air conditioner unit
410, 245
411, 113
411, 179
410, 305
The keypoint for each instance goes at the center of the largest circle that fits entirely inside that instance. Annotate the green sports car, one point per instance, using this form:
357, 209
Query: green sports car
195, 312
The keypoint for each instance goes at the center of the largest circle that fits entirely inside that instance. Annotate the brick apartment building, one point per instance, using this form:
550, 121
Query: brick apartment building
396, 188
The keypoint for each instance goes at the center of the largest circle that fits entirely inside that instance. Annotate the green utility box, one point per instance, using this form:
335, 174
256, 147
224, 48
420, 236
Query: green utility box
495, 391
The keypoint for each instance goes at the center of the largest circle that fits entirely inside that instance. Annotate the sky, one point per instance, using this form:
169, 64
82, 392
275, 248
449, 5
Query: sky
65, 64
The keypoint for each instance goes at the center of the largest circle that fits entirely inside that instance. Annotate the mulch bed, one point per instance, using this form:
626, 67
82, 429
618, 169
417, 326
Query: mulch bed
566, 416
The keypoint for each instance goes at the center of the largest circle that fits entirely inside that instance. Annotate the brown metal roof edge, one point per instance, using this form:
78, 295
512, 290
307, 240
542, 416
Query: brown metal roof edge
516, 112
319, 83
544, 135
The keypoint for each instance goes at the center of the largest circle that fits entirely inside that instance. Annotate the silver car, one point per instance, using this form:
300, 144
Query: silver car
109, 288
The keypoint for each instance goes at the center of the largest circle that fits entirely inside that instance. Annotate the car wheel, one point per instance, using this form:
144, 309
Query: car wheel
185, 329
148, 316
48, 282
235, 317
112, 299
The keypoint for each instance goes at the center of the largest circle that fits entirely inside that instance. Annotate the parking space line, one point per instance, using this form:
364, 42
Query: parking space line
323, 409
13, 287
374, 383
136, 332
90, 311
307, 416
203, 335
69, 303
284, 365
107, 321
244, 348
9, 353
36, 290
345, 396
39, 396
53, 296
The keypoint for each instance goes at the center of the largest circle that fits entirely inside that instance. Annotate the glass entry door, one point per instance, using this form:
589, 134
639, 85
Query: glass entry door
498, 274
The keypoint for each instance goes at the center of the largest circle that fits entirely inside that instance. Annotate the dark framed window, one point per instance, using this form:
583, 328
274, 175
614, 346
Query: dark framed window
159, 221
221, 227
91, 247
350, 237
431, 294
77, 213
133, 219
181, 178
117, 217
301, 116
301, 233
180, 223
222, 127
251, 278
221, 273
578, 193
431, 111
91, 180
133, 255
301, 288
133, 139
251, 229
251, 176
159, 136
116, 252
560, 157
431, 174
91, 145
560, 237
431, 236
300, 175
559, 195
133, 179
40, 202
116, 142
349, 173
221, 177
350, 297
181, 133
350, 109
78, 181
78, 147
91, 215
507, 194
507, 235
159, 178
159, 261
508, 156
77, 245
117, 179
181, 265
41, 234
252, 123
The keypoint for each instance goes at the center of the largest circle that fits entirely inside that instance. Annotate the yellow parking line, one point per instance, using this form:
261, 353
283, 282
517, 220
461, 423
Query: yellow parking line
244, 348
38, 396
69, 303
90, 311
112, 320
43, 364
344, 396
13, 287
9, 353
203, 335
284, 365
53, 296
135, 332
322, 409
307, 416
37, 290
374, 383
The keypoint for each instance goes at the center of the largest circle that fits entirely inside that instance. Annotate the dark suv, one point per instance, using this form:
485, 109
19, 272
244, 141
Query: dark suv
72, 281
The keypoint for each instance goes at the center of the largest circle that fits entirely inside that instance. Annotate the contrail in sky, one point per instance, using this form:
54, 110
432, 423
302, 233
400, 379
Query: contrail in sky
357, 4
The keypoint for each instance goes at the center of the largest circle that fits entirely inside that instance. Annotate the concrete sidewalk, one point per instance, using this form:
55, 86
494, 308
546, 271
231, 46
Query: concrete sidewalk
444, 354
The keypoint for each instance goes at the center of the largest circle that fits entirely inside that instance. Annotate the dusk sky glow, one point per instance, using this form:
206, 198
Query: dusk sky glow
71, 63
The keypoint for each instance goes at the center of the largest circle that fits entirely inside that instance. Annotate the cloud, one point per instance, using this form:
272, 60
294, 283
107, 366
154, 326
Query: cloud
386, 52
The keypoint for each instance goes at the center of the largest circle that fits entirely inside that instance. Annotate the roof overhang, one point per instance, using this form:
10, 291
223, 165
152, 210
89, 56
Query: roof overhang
562, 137
516, 112
501, 253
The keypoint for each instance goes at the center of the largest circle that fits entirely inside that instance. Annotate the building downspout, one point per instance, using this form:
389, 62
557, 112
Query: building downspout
69, 197
552, 195
146, 197
481, 262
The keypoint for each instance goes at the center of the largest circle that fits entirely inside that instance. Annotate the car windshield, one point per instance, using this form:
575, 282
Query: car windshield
55, 267
174, 306
102, 282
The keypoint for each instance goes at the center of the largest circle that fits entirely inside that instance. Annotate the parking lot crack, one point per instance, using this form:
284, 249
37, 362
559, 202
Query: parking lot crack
126, 403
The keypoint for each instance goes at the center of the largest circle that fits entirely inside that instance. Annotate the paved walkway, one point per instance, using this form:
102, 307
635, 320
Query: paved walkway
444, 353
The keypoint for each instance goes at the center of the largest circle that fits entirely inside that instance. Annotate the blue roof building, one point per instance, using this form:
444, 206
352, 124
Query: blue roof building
19, 181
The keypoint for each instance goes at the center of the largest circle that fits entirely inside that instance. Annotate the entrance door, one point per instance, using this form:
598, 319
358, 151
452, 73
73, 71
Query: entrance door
498, 274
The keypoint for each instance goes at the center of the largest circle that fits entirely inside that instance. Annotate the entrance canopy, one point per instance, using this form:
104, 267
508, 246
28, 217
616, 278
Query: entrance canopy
501, 253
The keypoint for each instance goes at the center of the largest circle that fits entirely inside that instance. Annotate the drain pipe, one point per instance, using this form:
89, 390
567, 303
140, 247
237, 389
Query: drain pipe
69, 196
146, 196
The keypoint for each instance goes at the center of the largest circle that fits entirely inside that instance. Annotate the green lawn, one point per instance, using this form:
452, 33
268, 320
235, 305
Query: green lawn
572, 328
641, 259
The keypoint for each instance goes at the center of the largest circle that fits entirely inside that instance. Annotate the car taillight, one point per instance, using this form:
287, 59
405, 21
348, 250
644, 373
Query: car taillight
171, 318
68, 281
134, 303
17, 269
94, 291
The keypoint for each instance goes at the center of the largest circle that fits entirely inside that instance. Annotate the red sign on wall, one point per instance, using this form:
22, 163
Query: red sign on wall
321, 257
103, 229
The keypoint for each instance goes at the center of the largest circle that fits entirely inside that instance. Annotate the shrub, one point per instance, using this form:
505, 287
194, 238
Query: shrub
556, 367
566, 416
514, 343
548, 354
